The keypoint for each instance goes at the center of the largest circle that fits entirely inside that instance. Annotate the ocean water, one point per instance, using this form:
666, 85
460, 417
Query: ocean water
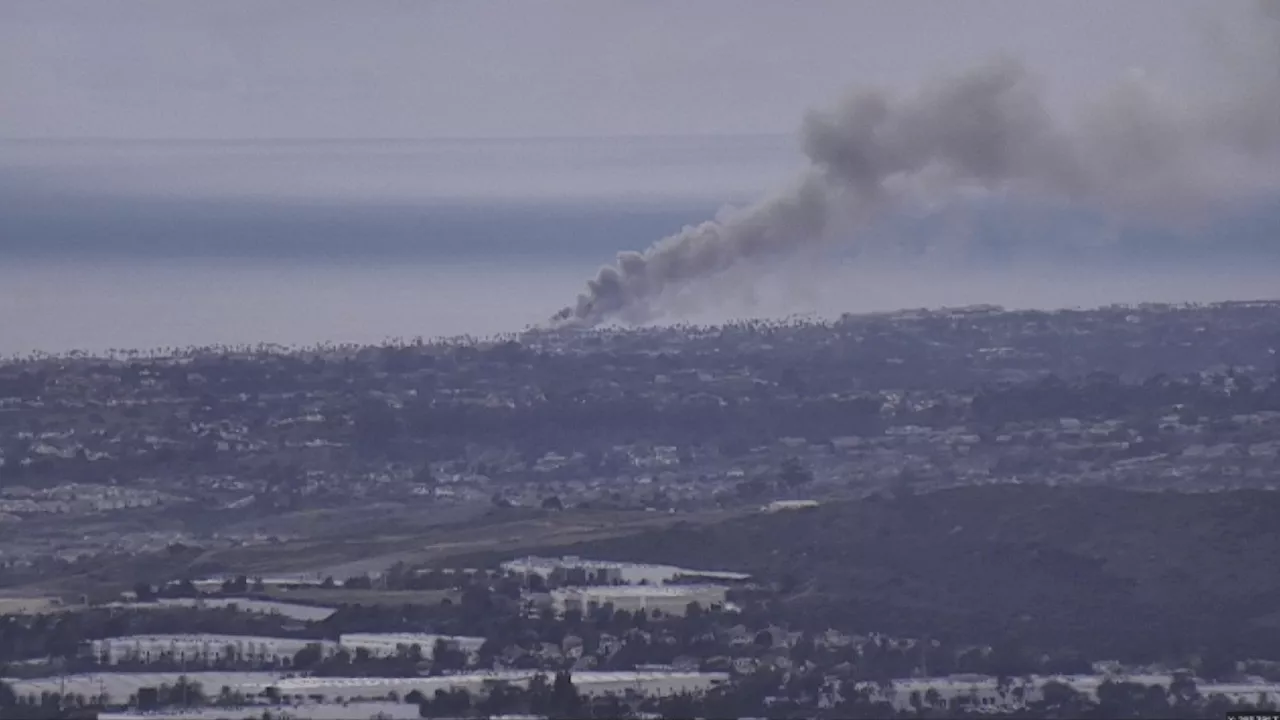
169, 245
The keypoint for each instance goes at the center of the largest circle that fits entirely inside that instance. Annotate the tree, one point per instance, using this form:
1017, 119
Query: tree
236, 586
764, 639
1182, 689
1062, 698
794, 473
144, 592
358, 582
539, 694
447, 656
932, 698
308, 656
565, 701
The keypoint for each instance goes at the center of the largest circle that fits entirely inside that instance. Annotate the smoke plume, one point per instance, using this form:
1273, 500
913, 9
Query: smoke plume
1138, 153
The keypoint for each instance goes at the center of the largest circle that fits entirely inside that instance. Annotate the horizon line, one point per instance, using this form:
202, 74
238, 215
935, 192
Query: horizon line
69, 139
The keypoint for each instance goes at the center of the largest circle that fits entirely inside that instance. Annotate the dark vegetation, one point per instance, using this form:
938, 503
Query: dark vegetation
1112, 574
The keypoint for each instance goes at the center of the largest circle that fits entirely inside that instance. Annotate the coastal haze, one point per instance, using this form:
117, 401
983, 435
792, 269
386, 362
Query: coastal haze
155, 197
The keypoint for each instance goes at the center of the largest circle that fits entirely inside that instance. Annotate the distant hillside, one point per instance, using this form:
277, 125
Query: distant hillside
1110, 573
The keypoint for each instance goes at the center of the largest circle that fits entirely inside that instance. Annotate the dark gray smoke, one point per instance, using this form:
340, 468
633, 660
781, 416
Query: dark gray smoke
986, 130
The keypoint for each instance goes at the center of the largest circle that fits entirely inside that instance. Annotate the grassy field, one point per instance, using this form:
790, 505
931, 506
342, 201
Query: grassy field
17, 605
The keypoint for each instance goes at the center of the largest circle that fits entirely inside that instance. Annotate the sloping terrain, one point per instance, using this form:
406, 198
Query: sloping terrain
1107, 572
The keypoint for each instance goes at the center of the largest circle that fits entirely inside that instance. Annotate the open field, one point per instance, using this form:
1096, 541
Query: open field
343, 550
339, 596
497, 532
18, 605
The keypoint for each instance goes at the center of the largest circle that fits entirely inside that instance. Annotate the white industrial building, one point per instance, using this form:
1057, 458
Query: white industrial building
603, 572
665, 599
278, 651
390, 644
781, 505
120, 686
201, 648
479, 683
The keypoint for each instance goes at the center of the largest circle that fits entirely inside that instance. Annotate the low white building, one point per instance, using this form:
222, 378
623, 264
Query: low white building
201, 648
780, 505
390, 644
479, 683
666, 599
607, 572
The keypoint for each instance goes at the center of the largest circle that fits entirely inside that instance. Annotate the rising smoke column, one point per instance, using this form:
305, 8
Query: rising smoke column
987, 129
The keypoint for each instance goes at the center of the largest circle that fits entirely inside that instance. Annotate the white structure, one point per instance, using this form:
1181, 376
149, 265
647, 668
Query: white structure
201, 648
606, 572
587, 683
389, 644
780, 505
214, 584
666, 599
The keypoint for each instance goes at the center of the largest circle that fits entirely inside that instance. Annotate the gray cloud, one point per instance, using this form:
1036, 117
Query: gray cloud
1137, 152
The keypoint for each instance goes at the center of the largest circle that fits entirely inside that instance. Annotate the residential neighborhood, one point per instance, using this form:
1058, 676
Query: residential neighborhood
636, 522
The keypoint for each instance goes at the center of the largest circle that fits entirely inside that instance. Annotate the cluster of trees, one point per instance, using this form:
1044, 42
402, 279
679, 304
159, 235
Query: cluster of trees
775, 694
1050, 570
61, 636
408, 661
1104, 395
49, 705
558, 698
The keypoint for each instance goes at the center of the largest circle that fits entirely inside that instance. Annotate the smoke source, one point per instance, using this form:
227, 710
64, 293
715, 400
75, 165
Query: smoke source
1138, 153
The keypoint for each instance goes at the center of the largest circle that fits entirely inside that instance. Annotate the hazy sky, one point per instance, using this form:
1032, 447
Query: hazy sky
719, 87
374, 69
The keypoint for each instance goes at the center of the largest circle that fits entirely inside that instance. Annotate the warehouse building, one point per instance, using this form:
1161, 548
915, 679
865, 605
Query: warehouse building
662, 599
392, 644
572, 570
200, 648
